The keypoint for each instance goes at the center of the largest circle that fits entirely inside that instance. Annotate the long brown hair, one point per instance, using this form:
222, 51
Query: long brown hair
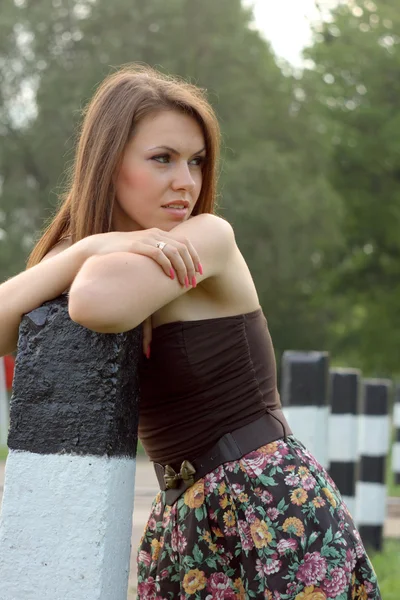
110, 119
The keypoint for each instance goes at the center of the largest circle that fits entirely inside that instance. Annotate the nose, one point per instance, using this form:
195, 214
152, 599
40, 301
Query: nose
182, 177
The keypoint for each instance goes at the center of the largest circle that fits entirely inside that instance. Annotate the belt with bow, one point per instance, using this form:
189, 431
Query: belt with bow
172, 479
231, 446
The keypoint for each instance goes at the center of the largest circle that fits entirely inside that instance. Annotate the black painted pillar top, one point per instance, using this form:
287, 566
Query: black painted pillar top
345, 391
305, 378
375, 399
75, 391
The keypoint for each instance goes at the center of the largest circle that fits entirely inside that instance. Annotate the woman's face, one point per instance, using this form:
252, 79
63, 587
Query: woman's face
161, 174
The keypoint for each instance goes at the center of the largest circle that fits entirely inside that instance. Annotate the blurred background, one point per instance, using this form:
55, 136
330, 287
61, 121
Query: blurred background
306, 93
307, 96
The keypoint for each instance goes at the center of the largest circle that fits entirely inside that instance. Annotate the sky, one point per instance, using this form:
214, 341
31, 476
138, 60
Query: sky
286, 24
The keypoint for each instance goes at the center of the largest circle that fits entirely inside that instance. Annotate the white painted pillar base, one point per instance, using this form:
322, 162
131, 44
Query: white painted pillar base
396, 445
304, 394
310, 425
371, 503
65, 527
350, 502
373, 444
4, 410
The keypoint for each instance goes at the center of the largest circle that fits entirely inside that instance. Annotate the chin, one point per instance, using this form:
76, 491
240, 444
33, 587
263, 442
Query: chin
167, 226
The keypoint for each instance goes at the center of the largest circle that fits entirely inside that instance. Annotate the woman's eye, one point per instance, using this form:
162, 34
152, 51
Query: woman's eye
162, 158
198, 161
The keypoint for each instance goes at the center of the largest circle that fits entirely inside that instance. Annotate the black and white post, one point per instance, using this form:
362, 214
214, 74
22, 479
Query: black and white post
343, 432
396, 443
4, 416
304, 391
374, 428
66, 517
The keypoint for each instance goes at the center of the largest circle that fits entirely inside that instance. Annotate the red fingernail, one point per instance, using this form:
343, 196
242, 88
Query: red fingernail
148, 351
186, 281
194, 282
172, 273
200, 269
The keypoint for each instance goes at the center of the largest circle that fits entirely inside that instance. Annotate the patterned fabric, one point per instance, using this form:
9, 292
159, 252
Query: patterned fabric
270, 525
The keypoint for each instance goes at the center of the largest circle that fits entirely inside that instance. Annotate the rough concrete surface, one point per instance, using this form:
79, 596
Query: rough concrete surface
74, 391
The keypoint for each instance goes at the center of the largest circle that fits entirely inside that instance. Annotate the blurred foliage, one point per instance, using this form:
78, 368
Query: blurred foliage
309, 166
355, 87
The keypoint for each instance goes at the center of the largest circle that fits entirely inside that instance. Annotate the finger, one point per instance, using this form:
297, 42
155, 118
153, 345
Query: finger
186, 270
195, 257
147, 335
149, 249
189, 264
191, 249
178, 264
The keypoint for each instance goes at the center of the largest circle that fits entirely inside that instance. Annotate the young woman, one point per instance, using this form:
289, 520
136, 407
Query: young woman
244, 510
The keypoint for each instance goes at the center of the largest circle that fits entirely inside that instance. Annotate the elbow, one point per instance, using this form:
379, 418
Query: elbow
85, 297
84, 309
97, 300
88, 307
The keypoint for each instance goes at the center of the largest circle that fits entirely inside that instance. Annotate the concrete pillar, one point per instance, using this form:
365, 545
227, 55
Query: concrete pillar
65, 526
4, 416
304, 394
373, 448
396, 443
343, 432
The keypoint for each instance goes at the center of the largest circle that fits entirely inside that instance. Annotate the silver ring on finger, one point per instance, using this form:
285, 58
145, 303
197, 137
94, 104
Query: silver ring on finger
161, 245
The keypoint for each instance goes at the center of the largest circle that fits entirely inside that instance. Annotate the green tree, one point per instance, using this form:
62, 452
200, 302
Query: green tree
273, 184
354, 88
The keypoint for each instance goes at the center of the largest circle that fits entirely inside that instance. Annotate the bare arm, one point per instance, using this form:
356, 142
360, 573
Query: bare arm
119, 291
57, 271
31, 288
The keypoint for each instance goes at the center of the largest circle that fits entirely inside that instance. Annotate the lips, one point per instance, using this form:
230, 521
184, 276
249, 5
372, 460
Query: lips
177, 210
177, 204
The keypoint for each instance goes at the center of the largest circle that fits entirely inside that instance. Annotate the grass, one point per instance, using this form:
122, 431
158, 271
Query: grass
387, 568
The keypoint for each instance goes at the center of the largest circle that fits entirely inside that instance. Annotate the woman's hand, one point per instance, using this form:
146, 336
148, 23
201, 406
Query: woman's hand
117, 292
178, 257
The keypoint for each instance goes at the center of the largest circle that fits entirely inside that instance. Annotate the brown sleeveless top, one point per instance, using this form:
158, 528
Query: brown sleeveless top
204, 379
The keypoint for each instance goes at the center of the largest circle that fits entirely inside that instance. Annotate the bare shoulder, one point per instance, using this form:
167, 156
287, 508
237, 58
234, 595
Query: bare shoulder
213, 223
231, 289
211, 236
208, 229
59, 247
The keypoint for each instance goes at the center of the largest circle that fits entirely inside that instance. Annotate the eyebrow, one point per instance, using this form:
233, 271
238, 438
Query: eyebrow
173, 151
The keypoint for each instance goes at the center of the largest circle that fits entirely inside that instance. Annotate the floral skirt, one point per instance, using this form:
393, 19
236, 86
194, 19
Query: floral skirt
270, 525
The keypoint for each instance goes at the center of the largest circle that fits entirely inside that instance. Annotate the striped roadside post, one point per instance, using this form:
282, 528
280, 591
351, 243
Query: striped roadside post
66, 518
396, 443
343, 432
4, 416
373, 448
304, 391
